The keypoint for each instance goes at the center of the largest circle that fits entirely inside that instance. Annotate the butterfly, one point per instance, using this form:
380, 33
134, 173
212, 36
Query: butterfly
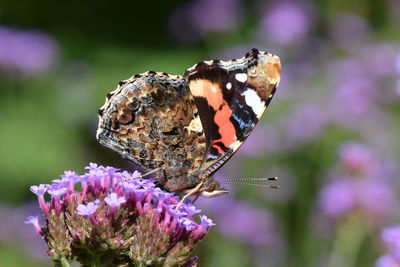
182, 129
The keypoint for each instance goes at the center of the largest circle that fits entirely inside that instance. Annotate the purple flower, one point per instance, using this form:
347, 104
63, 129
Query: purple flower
87, 210
286, 23
373, 196
243, 222
87, 222
387, 261
338, 198
391, 239
39, 190
114, 201
356, 157
306, 123
16, 232
189, 22
206, 222
215, 15
56, 193
355, 98
34, 220
397, 63
350, 30
187, 223
28, 52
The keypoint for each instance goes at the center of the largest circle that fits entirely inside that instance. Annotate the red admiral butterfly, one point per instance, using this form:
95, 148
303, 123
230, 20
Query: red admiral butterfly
184, 129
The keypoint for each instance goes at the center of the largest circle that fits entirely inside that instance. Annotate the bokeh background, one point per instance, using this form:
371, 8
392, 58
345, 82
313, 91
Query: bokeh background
331, 132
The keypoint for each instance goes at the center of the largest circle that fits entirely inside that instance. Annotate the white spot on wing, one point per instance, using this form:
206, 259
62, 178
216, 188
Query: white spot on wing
254, 101
228, 86
241, 77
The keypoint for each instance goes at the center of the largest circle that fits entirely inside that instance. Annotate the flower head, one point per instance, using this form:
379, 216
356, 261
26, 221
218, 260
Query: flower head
123, 222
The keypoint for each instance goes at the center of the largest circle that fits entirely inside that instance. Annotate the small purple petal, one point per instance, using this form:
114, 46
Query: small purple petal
34, 220
114, 201
206, 222
87, 210
57, 192
187, 223
39, 190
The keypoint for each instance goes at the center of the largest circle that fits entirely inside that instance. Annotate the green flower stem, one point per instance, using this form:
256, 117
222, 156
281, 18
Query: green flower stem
64, 262
350, 236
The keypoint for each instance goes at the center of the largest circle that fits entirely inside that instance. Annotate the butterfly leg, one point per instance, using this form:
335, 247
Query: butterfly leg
191, 192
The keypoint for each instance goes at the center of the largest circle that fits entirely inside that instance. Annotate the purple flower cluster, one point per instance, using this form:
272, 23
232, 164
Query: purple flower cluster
360, 187
259, 229
391, 240
26, 52
286, 23
116, 222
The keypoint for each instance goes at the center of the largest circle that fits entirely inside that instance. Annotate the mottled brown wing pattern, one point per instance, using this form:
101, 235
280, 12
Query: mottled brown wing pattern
151, 119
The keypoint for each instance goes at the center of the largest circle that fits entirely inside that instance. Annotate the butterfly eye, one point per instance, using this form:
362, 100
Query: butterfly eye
253, 72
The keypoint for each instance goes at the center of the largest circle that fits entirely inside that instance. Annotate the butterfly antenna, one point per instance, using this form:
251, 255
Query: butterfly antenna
140, 176
252, 181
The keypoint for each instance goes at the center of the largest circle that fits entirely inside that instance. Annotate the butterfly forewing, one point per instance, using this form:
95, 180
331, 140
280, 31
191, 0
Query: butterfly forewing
230, 98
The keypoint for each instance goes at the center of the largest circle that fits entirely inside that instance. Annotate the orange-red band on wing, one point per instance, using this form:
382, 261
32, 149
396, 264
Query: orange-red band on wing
213, 93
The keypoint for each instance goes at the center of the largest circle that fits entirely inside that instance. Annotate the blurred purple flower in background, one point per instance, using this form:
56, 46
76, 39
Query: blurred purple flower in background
352, 99
397, 63
374, 197
28, 52
391, 240
286, 22
356, 158
387, 261
364, 188
258, 228
215, 15
349, 30
337, 198
14, 233
192, 21
379, 59
305, 123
